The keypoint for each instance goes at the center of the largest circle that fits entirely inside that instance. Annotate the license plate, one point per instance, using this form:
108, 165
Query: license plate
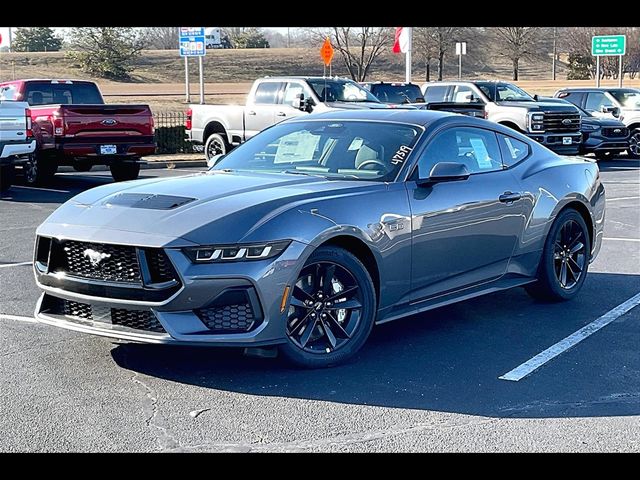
566, 140
111, 149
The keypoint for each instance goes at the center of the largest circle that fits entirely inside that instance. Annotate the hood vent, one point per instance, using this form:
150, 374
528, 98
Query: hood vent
149, 201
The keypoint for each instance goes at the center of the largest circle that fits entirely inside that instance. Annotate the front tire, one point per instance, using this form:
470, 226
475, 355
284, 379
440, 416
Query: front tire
565, 259
634, 144
124, 171
39, 170
216, 145
331, 310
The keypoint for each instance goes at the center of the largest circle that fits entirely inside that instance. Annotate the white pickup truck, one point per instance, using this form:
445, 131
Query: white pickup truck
16, 139
270, 101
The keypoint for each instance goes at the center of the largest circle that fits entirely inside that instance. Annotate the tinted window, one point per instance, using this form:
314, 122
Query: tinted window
331, 90
573, 97
596, 100
476, 148
352, 150
436, 93
390, 93
513, 151
627, 98
267, 93
40, 93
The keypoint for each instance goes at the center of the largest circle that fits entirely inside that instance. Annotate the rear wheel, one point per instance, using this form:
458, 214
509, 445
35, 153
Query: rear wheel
7, 173
565, 259
39, 170
634, 144
215, 145
124, 171
331, 311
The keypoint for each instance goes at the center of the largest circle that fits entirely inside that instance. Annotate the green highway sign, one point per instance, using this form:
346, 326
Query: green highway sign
609, 45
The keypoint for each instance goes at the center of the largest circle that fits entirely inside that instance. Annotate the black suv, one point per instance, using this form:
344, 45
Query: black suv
396, 93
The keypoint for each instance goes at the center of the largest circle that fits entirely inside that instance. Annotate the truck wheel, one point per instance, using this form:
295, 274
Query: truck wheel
7, 173
215, 145
39, 171
124, 171
634, 144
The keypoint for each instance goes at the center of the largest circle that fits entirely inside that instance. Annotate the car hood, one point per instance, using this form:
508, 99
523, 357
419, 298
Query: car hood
211, 207
541, 106
602, 122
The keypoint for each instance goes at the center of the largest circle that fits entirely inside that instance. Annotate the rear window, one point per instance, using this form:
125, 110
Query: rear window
45, 93
389, 93
436, 93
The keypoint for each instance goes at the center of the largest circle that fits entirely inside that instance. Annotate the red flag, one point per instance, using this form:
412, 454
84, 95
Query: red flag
401, 42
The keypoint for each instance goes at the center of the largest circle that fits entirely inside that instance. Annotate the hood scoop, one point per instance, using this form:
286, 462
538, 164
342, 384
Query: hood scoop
149, 201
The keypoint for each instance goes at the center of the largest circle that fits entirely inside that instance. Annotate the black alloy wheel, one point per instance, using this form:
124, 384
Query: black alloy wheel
331, 309
216, 145
39, 170
634, 144
564, 260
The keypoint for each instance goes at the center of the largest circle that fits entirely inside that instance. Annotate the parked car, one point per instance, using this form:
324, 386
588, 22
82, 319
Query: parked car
73, 126
396, 93
602, 136
616, 103
319, 227
272, 100
16, 139
555, 126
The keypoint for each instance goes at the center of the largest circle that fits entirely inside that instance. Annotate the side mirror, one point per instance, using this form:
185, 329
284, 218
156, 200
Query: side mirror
214, 160
299, 102
615, 111
445, 172
535, 97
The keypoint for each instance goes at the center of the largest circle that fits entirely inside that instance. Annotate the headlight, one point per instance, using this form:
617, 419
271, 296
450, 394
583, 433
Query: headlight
590, 128
537, 117
236, 253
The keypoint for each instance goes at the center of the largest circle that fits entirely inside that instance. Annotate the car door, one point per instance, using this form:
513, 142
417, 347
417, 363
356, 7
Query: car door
261, 114
287, 110
464, 231
596, 101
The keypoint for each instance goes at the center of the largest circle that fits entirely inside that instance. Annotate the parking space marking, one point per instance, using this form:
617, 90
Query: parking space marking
621, 239
43, 189
19, 264
18, 318
553, 351
622, 198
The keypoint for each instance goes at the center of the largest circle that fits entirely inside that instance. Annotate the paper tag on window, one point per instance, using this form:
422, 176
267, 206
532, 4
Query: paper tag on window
356, 144
481, 154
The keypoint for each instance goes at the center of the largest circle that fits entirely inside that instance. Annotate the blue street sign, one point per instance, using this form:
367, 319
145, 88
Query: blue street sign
192, 42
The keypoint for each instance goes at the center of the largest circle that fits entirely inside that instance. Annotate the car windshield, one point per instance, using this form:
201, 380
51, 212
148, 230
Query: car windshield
504, 92
627, 98
397, 93
335, 90
333, 149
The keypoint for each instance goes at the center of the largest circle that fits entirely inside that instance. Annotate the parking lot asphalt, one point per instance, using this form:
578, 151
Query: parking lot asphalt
425, 383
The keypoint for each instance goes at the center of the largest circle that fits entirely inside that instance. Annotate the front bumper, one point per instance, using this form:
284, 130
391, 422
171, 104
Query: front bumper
596, 143
554, 142
182, 318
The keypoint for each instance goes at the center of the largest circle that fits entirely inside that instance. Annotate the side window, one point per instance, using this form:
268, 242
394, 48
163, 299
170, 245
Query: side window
293, 89
513, 151
596, 100
476, 148
573, 97
436, 93
267, 93
8, 92
464, 94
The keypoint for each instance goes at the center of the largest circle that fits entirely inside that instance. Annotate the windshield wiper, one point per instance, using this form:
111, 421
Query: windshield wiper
298, 172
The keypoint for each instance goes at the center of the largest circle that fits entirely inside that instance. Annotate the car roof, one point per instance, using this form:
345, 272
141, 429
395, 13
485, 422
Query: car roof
303, 77
413, 117
594, 89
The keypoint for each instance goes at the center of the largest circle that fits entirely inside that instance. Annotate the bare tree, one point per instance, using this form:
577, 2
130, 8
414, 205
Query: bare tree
424, 47
161, 38
358, 46
517, 43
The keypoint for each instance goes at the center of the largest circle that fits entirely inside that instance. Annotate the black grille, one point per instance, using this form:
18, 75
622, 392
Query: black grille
117, 263
136, 319
561, 122
615, 132
160, 268
230, 312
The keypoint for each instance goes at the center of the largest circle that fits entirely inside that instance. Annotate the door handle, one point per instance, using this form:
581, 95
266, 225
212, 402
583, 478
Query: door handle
508, 197
281, 114
251, 113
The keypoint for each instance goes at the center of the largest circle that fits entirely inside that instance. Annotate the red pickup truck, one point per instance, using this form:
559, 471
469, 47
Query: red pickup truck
73, 126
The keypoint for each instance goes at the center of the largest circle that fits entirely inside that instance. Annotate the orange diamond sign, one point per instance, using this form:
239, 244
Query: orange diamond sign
326, 52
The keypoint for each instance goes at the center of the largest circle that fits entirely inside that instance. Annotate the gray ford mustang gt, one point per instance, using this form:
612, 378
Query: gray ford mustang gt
319, 227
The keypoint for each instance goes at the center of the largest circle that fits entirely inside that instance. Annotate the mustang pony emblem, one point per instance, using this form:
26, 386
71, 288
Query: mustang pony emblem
95, 257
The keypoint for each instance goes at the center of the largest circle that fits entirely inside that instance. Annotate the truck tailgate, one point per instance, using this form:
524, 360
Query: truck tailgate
13, 123
101, 120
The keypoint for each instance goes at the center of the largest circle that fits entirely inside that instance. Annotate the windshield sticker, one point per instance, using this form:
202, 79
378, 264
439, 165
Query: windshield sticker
400, 156
480, 152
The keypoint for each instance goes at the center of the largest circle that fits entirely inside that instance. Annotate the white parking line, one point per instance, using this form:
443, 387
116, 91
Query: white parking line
553, 351
38, 188
621, 239
20, 264
18, 318
622, 198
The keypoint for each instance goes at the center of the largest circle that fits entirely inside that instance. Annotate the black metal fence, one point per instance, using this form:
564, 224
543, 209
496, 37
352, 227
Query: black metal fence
170, 134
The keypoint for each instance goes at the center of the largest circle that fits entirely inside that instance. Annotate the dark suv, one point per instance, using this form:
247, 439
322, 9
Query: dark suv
397, 93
